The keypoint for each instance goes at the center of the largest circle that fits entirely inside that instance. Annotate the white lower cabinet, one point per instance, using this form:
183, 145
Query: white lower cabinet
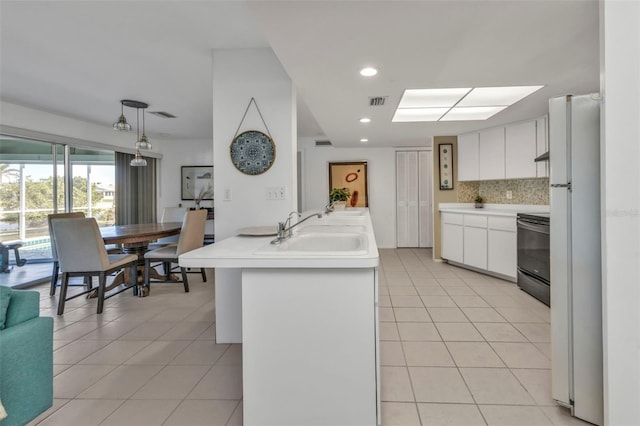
452, 237
475, 241
475, 247
502, 252
502, 245
480, 241
452, 242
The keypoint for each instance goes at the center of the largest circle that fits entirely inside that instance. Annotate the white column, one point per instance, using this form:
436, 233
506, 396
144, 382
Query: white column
239, 75
620, 85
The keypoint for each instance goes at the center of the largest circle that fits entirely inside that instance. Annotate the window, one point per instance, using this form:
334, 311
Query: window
33, 184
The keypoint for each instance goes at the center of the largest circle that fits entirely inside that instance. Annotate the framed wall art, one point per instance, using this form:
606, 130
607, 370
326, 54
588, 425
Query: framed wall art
196, 182
353, 176
446, 166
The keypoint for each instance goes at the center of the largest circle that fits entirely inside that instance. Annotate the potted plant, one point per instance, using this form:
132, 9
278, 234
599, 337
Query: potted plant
479, 202
205, 192
338, 198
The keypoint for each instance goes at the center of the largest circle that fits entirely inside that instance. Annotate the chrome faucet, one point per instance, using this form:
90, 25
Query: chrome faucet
284, 228
328, 208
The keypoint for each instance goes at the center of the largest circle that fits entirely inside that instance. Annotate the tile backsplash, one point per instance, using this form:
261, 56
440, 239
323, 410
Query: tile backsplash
524, 191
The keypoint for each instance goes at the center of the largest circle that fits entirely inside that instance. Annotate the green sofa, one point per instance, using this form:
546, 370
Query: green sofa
26, 356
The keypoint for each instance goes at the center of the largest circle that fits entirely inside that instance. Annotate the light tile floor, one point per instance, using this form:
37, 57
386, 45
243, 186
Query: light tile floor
457, 348
461, 348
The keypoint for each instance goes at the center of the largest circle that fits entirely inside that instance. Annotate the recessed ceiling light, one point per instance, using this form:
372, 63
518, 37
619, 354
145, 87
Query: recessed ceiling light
471, 113
418, 114
430, 98
363, 140
365, 120
368, 72
497, 96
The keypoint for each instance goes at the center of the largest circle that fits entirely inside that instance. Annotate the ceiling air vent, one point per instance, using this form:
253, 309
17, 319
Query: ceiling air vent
162, 114
323, 143
377, 100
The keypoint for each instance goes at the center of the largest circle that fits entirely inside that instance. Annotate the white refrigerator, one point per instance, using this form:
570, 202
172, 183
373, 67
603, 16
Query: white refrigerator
576, 280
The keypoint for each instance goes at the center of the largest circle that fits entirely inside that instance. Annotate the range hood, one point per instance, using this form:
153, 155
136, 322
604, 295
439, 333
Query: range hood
543, 157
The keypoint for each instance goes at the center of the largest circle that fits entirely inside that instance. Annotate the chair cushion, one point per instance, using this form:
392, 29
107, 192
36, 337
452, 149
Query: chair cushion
25, 305
5, 295
167, 252
116, 260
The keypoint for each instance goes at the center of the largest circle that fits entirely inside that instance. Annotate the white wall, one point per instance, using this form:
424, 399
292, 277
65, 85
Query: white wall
381, 170
174, 153
40, 121
620, 85
239, 75
178, 153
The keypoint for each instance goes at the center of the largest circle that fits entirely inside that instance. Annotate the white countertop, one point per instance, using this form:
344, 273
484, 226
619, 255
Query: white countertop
257, 252
510, 210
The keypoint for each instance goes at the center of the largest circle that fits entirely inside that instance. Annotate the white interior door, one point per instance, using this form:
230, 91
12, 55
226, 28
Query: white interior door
413, 216
425, 185
401, 199
413, 195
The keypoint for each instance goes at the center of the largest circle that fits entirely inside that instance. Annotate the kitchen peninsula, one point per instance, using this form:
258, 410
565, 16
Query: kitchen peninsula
309, 321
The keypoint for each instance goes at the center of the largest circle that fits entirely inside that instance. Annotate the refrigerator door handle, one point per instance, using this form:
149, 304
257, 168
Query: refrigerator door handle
561, 185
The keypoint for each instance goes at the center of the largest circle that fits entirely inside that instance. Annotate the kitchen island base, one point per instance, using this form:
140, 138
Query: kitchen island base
310, 346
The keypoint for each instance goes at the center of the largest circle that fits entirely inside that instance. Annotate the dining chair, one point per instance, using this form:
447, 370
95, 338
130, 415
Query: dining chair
191, 238
169, 214
81, 252
54, 252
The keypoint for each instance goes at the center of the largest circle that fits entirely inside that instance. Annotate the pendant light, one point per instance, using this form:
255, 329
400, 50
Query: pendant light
138, 160
143, 142
122, 124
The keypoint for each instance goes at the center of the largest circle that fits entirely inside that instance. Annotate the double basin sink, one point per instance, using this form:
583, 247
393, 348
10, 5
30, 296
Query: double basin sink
342, 233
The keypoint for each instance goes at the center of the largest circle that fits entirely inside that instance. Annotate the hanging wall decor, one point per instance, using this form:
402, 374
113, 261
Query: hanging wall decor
446, 166
253, 152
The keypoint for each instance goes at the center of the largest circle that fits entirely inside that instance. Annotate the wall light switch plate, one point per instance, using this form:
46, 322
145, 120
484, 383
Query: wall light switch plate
509, 195
227, 194
275, 193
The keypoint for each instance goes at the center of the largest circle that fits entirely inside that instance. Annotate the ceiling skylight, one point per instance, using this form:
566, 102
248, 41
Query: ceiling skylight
471, 113
458, 104
497, 96
429, 98
418, 114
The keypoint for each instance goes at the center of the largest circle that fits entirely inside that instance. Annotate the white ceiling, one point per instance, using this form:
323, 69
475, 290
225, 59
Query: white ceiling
80, 58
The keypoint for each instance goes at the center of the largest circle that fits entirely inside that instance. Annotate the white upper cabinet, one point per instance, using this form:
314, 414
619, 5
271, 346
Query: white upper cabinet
506, 152
520, 150
542, 146
492, 154
468, 159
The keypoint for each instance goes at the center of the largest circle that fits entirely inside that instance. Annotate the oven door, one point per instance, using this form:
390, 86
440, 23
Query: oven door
533, 249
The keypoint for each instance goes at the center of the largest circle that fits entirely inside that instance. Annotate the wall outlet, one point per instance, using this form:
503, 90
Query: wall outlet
509, 195
227, 194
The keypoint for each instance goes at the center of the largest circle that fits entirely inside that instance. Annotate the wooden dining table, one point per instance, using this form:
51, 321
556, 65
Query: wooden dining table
135, 239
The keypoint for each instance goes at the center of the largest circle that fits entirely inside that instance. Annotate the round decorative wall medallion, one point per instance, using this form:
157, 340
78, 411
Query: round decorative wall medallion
253, 152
